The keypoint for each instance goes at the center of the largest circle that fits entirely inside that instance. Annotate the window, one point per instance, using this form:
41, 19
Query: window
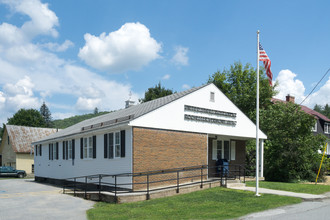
212, 96
314, 129
222, 150
70, 149
114, 145
327, 128
53, 151
117, 144
87, 147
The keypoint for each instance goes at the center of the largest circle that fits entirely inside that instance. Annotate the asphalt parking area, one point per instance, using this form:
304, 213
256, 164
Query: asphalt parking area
26, 199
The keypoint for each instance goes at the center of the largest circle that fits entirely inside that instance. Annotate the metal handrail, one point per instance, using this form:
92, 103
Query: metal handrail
221, 172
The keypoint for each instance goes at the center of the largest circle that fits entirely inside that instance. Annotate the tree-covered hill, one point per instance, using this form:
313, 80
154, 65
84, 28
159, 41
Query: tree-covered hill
67, 122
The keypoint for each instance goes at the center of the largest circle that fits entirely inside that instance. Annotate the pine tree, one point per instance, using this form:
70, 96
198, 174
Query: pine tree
44, 111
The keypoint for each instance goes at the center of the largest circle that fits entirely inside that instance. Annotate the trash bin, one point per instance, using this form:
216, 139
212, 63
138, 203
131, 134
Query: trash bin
222, 166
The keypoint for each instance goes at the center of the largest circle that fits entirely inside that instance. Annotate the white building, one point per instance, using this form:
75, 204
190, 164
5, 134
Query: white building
190, 128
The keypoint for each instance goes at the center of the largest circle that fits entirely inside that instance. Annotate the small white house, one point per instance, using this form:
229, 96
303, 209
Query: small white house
190, 128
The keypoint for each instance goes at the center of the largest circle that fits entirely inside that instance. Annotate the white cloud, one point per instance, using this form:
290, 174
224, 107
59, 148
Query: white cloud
180, 57
59, 115
19, 95
59, 47
166, 77
185, 86
43, 20
320, 97
30, 72
287, 84
129, 48
87, 104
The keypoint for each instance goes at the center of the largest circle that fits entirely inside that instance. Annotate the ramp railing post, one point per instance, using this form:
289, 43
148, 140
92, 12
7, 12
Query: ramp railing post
148, 194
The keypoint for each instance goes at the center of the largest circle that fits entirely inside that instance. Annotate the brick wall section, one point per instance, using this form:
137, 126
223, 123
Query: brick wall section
240, 153
163, 149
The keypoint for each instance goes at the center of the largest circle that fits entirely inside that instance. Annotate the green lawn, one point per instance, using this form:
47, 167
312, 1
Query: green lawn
215, 203
292, 187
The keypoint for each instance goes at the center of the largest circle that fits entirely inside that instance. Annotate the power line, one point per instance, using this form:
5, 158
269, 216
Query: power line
315, 86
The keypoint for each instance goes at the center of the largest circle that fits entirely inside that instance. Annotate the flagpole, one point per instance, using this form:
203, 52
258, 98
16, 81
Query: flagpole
257, 121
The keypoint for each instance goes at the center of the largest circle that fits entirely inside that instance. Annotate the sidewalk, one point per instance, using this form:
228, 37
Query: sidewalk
305, 196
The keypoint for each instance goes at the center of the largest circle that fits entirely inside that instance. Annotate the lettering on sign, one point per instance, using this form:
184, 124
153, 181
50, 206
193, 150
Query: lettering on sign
209, 120
209, 111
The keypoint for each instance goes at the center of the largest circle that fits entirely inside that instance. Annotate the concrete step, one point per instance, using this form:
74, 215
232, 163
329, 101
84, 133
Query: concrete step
232, 185
235, 183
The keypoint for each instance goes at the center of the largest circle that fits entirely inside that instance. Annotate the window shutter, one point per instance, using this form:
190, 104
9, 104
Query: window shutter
36, 150
81, 148
122, 143
105, 145
73, 149
111, 145
63, 148
40, 151
233, 150
214, 150
67, 150
49, 151
56, 150
94, 146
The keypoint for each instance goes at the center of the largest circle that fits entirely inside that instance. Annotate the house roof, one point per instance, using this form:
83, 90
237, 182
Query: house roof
307, 110
120, 116
21, 137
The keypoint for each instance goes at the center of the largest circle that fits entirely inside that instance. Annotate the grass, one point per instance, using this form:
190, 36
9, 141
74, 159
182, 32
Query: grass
215, 203
292, 187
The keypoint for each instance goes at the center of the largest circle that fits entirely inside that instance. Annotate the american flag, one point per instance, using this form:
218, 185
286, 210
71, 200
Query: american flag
263, 57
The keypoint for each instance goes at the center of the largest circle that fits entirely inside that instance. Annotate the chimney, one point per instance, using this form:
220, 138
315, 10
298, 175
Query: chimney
290, 98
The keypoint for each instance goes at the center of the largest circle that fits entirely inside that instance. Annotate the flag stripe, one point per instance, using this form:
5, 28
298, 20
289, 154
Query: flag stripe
267, 63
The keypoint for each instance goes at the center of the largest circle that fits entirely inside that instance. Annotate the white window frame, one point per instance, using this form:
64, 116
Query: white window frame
88, 148
326, 128
116, 145
54, 151
70, 150
314, 129
216, 149
212, 96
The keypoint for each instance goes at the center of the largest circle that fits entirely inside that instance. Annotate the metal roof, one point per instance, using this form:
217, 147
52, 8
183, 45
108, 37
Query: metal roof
21, 137
120, 116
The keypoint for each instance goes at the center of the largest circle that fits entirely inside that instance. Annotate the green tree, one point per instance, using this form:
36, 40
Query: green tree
155, 93
326, 110
318, 108
27, 117
323, 110
291, 150
239, 85
45, 113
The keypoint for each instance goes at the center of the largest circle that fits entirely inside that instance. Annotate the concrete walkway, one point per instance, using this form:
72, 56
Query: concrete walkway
29, 200
304, 196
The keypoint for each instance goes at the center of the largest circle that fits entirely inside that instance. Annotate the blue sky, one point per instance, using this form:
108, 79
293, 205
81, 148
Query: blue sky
76, 56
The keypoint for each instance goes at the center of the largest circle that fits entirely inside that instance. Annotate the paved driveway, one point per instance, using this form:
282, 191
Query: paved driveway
26, 199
